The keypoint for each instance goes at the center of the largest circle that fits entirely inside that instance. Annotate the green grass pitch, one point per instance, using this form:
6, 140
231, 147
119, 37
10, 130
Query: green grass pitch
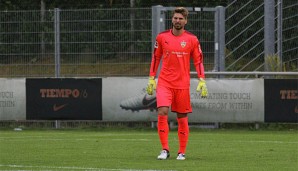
137, 149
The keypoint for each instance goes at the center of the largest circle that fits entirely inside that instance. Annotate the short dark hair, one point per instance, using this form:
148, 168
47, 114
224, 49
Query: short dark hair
182, 11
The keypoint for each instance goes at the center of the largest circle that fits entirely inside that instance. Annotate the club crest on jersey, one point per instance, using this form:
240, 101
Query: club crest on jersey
183, 44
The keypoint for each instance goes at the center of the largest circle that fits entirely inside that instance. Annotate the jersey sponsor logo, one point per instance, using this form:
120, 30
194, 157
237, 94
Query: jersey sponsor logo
179, 54
183, 44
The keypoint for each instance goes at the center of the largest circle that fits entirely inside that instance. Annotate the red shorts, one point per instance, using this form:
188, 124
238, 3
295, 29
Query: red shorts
178, 99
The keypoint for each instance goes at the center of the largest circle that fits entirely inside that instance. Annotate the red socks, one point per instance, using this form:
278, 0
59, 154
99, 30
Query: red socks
183, 131
163, 131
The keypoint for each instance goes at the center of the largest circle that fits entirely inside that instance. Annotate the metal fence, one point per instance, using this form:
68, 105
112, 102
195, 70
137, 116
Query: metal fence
288, 31
87, 43
246, 35
118, 42
68, 43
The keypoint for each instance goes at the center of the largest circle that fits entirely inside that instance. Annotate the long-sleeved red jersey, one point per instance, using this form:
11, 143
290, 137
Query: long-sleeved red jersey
176, 52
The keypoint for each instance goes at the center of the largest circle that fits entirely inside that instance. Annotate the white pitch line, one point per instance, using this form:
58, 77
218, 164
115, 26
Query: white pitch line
74, 168
124, 139
144, 139
82, 136
96, 137
240, 141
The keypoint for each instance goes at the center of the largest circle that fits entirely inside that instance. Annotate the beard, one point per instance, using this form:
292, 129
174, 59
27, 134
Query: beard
177, 26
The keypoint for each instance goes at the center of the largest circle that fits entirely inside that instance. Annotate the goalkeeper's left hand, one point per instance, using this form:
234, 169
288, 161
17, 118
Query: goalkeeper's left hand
202, 87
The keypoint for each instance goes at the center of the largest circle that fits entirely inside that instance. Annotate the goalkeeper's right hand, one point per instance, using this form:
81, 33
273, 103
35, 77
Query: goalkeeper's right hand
151, 85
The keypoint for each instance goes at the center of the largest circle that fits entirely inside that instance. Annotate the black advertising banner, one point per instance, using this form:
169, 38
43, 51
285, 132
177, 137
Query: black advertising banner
64, 99
281, 100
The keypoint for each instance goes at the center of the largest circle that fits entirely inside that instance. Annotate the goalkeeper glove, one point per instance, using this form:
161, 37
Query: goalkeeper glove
202, 87
151, 85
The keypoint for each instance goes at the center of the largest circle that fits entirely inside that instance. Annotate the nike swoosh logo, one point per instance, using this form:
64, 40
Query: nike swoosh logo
58, 107
147, 101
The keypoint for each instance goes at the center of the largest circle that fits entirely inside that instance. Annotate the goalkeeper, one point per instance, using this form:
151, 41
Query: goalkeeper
175, 47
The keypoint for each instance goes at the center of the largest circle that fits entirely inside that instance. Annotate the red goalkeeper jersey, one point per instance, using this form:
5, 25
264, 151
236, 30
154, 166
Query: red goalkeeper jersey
175, 52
